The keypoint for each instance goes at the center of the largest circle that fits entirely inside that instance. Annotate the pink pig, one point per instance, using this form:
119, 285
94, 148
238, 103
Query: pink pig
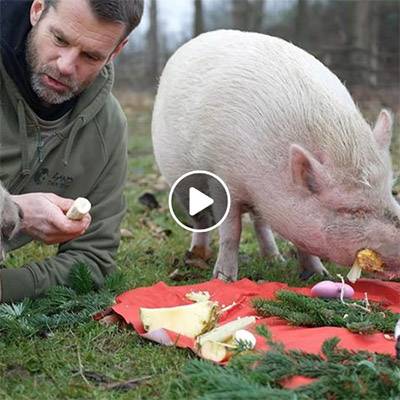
285, 135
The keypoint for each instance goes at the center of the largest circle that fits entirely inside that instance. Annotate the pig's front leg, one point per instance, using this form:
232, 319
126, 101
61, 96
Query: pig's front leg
201, 245
310, 265
266, 240
226, 267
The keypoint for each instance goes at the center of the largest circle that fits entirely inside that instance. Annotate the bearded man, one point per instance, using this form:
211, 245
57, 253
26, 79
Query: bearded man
62, 133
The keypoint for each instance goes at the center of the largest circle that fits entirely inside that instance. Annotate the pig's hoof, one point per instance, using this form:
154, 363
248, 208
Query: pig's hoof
305, 275
223, 277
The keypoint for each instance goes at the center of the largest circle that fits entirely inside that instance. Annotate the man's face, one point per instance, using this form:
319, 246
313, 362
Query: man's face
68, 47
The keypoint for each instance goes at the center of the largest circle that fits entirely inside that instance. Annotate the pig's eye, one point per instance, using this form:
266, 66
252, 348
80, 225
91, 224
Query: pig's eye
354, 212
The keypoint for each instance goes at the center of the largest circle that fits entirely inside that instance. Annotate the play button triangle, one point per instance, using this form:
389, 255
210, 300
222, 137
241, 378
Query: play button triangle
198, 201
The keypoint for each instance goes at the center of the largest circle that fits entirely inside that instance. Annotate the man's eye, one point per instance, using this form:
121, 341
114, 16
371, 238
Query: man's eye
90, 57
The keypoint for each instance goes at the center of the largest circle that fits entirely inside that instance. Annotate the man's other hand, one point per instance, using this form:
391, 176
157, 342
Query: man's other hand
45, 219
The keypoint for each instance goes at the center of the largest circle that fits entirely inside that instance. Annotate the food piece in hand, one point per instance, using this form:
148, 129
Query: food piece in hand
189, 320
225, 332
366, 260
245, 337
79, 208
331, 290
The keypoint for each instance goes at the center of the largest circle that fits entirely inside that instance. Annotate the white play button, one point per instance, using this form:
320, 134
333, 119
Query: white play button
198, 201
190, 199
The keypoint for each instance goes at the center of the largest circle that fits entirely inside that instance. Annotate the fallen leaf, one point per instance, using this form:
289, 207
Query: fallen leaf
126, 233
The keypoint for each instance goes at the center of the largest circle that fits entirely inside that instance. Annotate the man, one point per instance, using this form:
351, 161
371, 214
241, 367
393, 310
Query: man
62, 133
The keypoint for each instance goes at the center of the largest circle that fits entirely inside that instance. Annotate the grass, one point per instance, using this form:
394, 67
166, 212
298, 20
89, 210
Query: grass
51, 368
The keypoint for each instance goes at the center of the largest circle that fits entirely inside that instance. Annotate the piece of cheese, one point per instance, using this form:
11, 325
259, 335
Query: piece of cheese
190, 320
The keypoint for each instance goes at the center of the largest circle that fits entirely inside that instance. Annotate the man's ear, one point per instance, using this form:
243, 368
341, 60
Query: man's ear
383, 130
306, 170
37, 9
118, 50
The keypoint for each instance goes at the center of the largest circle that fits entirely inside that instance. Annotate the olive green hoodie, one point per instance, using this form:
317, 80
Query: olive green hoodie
86, 158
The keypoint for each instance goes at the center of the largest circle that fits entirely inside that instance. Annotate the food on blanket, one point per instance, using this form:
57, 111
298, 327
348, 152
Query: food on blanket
217, 344
190, 320
331, 290
225, 332
366, 260
198, 296
79, 208
214, 351
246, 337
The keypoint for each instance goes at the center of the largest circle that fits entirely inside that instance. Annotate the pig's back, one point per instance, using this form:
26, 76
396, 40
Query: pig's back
231, 97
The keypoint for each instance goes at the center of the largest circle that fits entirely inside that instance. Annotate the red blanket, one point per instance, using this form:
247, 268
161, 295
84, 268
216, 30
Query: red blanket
242, 292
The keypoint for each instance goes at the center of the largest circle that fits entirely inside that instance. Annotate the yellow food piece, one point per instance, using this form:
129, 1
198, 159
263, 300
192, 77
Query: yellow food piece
366, 260
369, 260
189, 320
214, 351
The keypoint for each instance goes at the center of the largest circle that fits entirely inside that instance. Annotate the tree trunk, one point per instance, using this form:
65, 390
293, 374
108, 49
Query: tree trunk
363, 36
153, 45
257, 15
301, 23
198, 20
240, 14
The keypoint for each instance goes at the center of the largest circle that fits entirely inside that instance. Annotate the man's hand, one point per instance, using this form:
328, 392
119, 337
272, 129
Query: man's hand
45, 219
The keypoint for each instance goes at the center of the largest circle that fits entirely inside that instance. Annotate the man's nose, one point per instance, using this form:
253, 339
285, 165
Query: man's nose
66, 62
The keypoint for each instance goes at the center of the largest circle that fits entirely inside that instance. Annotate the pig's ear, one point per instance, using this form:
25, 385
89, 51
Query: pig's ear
306, 170
383, 129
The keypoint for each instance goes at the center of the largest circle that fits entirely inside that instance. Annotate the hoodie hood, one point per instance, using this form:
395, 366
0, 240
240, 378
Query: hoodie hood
15, 26
25, 102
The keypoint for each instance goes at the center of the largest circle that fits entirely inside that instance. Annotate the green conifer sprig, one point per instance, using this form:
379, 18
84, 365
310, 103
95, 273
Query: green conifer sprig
302, 310
337, 374
61, 307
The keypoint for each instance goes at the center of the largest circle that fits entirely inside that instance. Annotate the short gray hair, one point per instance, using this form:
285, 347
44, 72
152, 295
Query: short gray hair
128, 12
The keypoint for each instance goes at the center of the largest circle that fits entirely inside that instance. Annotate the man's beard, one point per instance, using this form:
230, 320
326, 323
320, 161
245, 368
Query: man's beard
37, 72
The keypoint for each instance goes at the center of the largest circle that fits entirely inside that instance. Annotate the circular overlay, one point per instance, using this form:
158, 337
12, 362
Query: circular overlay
199, 201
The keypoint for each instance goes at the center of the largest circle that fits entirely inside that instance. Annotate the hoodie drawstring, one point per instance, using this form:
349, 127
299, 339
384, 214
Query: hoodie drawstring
75, 129
24, 138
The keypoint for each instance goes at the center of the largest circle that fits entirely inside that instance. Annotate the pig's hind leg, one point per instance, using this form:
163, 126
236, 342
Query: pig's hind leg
266, 240
310, 265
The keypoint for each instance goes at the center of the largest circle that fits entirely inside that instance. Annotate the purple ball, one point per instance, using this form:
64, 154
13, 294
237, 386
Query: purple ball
331, 290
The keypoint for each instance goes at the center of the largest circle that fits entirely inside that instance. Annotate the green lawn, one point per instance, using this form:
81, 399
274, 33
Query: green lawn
54, 367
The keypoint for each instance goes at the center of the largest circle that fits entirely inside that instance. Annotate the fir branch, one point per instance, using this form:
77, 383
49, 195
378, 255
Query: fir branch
338, 374
309, 311
61, 307
80, 278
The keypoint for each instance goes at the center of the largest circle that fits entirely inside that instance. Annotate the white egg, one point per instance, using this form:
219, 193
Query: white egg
245, 336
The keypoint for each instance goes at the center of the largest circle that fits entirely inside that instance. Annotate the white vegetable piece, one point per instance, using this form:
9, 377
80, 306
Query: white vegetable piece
198, 296
245, 336
354, 274
79, 208
225, 332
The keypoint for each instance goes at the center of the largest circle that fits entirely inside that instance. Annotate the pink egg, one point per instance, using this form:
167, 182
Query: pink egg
331, 290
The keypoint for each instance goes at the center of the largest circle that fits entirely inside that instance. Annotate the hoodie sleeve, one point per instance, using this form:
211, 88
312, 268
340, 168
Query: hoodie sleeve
96, 248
